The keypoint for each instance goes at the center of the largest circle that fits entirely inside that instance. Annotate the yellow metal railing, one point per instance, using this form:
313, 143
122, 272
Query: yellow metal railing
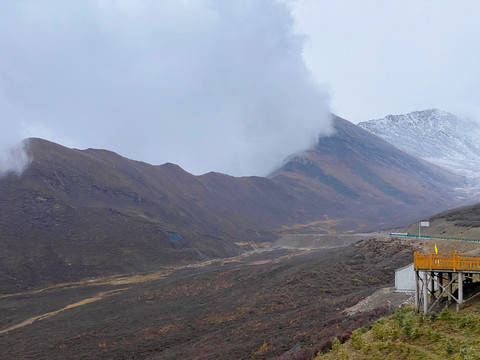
452, 262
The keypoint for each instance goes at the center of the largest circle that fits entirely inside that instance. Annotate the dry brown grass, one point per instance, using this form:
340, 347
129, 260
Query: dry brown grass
31, 320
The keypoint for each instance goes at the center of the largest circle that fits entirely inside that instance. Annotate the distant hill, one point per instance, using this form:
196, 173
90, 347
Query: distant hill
75, 213
463, 222
436, 136
80, 213
369, 180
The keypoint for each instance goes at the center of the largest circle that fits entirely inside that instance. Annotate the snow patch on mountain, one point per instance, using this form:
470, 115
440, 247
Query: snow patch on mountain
436, 136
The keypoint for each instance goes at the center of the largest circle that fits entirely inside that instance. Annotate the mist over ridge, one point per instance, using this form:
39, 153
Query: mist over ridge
208, 85
14, 159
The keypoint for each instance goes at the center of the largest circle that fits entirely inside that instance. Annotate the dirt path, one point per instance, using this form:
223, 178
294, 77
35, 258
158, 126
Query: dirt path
321, 241
156, 275
100, 281
381, 297
118, 280
31, 320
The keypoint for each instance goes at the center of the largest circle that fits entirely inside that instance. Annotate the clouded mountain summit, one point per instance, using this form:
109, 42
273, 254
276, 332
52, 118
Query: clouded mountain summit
76, 213
359, 172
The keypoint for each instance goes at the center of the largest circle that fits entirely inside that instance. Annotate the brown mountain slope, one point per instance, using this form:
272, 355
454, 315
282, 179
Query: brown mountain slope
370, 180
82, 213
74, 213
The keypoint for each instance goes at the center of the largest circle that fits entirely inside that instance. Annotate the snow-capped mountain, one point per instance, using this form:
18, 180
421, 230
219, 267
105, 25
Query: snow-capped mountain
436, 136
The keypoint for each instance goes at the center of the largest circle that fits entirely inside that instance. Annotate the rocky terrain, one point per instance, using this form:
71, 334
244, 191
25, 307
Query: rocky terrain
74, 213
275, 304
117, 258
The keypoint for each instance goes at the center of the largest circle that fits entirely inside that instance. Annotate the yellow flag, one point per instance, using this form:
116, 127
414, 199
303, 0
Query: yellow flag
436, 251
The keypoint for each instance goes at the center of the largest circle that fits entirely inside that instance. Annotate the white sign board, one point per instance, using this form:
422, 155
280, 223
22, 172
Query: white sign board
425, 223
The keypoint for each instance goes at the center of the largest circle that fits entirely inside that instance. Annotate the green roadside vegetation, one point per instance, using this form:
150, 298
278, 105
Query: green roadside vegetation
462, 222
433, 237
407, 335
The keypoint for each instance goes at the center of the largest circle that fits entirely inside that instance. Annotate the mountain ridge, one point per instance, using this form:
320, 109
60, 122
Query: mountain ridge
435, 136
372, 168
78, 213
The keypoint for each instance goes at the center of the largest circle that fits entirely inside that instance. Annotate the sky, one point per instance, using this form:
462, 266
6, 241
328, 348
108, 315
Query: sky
393, 57
230, 86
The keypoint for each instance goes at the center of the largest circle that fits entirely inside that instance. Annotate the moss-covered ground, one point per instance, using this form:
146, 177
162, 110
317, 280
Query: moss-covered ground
407, 335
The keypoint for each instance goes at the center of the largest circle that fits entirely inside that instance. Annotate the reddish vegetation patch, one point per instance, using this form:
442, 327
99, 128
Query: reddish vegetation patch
288, 309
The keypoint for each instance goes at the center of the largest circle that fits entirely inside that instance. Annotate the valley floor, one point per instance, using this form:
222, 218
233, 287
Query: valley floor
271, 304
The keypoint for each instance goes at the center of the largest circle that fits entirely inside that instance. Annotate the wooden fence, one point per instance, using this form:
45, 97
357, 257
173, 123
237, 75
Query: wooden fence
453, 262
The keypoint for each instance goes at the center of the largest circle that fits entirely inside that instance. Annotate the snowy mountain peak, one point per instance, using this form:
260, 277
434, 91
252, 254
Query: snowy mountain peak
422, 115
436, 136
431, 121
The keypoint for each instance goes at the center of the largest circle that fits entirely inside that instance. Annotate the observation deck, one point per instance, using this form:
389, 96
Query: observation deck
442, 279
446, 263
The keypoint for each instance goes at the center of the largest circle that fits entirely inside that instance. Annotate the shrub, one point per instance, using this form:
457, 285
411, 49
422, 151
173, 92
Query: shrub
416, 333
408, 327
380, 331
445, 315
421, 318
357, 339
399, 315
468, 321
449, 347
325, 345
344, 336
433, 335
335, 344
357, 282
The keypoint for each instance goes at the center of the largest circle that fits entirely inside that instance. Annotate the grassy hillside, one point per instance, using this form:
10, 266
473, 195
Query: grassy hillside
461, 222
406, 335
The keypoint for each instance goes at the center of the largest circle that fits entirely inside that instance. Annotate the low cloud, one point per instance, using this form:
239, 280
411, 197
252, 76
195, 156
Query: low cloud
209, 85
14, 159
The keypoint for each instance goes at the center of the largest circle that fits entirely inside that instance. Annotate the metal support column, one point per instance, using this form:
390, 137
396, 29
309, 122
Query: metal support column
425, 292
417, 291
460, 288
432, 287
450, 288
